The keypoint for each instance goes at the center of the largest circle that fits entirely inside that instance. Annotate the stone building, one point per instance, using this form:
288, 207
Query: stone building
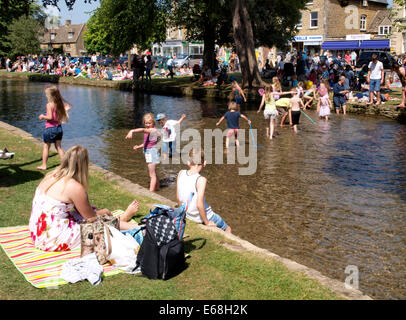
338, 25
67, 39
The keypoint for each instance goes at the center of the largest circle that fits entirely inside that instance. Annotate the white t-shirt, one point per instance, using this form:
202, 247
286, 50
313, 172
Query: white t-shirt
186, 187
376, 70
169, 131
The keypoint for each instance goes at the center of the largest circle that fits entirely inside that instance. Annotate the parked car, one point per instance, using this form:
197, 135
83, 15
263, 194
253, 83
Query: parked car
185, 60
181, 61
383, 56
106, 61
195, 58
84, 59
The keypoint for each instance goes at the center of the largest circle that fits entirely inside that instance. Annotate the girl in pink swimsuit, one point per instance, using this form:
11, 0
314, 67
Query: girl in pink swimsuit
149, 146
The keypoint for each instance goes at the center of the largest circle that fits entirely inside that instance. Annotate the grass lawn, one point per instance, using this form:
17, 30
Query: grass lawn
213, 272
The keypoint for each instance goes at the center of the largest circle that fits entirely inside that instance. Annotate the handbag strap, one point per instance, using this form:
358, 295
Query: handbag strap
108, 236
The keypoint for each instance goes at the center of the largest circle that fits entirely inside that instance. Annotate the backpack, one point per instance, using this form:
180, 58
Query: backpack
177, 215
162, 253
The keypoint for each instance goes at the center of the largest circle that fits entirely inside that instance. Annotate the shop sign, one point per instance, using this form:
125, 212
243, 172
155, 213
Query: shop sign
358, 37
308, 38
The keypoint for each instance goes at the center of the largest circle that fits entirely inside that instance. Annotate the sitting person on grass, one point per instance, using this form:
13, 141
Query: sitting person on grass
206, 74
61, 202
191, 186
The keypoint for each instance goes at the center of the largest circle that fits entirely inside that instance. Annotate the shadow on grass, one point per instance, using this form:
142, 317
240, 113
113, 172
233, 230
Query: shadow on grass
190, 246
13, 174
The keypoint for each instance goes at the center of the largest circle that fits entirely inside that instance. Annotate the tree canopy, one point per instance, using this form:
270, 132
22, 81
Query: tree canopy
118, 25
23, 36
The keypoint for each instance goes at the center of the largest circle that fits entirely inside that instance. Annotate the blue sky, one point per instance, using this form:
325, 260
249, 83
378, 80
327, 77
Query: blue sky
77, 14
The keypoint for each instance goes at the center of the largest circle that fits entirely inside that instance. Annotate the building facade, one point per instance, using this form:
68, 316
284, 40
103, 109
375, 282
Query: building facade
176, 44
329, 24
67, 39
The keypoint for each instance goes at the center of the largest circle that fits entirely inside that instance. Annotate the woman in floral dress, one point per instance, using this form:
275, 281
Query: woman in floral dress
61, 202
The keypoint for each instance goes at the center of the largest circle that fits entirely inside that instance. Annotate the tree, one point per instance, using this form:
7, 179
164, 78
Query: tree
97, 39
9, 10
208, 21
23, 36
262, 23
397, 15
121, 24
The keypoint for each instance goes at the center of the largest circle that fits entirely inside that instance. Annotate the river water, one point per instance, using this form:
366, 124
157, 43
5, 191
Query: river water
332, 197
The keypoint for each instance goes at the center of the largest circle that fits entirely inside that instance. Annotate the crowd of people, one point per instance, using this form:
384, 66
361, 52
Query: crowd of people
67, 66
369, 84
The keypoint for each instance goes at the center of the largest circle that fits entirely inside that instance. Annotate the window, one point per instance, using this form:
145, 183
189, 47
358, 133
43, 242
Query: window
384, 30
363, 23
309, 3
300, 24
364, 3
53, 36
70, 35
314, 19
180, 34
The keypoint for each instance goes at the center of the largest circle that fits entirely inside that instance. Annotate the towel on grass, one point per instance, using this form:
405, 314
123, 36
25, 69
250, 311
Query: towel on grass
40, 268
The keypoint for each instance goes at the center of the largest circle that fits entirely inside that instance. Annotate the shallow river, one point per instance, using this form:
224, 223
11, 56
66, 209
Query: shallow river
332, 196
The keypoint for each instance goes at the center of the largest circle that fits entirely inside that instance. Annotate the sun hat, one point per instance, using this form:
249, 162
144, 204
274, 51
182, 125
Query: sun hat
160, 116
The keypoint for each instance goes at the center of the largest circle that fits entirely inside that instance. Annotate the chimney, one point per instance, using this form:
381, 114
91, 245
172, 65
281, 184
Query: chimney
68, 22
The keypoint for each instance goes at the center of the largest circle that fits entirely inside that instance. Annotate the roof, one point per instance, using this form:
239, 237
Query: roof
62, 33
381, 18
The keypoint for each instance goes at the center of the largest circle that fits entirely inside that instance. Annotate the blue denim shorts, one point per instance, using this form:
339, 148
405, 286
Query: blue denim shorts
375, 85
218, 221
339, 101
151, 155
50, 135
138, 236
169, 147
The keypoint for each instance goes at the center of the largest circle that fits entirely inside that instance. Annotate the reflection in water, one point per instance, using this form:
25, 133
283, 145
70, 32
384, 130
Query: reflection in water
331, 196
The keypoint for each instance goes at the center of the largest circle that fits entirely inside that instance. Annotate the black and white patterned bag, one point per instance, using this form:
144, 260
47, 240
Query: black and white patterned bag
162, 253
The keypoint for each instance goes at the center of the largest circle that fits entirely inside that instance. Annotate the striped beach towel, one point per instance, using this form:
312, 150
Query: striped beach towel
40, 268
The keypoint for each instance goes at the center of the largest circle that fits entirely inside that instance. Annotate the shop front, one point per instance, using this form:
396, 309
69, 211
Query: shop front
310, 44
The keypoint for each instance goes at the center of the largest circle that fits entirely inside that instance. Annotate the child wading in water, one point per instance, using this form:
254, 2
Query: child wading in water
270, 112
150, 150
324, 105
295, 105
192, 186
57, 113
232, 116
168, 133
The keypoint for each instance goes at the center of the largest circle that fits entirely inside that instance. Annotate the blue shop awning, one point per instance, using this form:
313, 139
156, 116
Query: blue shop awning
375, 44
340, 45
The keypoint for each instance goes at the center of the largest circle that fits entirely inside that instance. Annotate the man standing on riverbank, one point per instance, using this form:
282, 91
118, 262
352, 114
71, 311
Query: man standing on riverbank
375, 78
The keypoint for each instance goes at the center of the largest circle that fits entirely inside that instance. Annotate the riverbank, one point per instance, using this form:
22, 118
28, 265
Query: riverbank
221, 266
184, 87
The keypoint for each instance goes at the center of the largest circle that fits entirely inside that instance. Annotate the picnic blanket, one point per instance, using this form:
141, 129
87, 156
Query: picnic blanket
40, 268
